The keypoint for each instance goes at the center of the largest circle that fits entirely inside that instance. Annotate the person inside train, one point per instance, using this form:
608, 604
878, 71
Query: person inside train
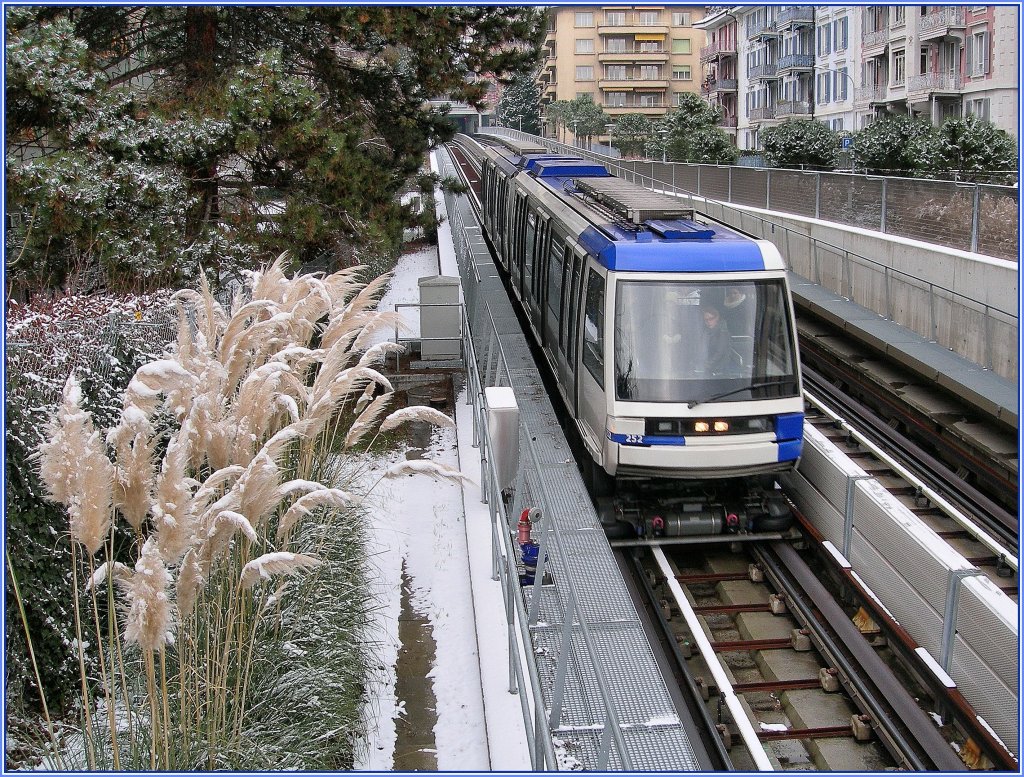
738, 310
716, 339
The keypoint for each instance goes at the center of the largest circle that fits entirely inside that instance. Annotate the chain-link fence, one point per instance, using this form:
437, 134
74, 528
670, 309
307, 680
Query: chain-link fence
971, 217
104, 350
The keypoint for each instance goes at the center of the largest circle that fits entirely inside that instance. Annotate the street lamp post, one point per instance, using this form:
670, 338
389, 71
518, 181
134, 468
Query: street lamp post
575, 139
611, 147
664, 143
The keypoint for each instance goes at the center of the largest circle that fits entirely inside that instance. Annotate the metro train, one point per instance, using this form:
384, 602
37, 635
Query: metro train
671, 338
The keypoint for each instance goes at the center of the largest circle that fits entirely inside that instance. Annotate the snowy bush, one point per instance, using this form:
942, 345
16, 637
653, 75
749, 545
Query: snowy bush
799, 143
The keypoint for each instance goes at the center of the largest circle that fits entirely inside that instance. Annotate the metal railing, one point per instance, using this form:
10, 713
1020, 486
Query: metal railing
930, 309
968, 216
486, 368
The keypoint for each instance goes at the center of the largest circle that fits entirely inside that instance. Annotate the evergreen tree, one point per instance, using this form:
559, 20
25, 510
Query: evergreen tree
556, 113
519, 106
968, 149
799, 142
318, 109
692, 134
585, 118
887, 146
632, 133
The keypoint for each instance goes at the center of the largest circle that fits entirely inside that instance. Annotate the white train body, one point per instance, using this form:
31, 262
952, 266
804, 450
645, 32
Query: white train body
621, 288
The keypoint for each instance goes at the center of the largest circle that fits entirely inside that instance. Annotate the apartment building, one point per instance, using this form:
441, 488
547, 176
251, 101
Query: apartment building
628, 59
847, 65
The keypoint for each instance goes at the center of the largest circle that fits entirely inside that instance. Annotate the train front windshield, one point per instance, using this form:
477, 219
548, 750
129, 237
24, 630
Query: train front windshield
681, 341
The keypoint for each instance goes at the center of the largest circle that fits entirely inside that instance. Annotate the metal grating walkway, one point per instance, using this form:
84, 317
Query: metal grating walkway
585, 607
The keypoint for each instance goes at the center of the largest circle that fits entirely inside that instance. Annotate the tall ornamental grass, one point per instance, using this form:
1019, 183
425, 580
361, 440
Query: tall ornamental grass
218, 574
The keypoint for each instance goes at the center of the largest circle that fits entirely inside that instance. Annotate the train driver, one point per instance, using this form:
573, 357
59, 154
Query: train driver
716, 339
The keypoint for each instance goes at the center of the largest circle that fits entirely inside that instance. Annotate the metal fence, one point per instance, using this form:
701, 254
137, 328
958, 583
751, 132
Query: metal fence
40, 358
970, 327
971, 217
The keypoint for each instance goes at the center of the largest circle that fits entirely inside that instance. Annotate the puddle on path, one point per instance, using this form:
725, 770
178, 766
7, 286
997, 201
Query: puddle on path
415, 749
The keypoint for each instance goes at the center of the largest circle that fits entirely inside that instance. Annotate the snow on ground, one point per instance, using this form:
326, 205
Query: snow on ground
430, 527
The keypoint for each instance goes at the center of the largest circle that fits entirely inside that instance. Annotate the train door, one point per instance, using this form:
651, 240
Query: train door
534, 284
554, 298
572, 273
520, 239
592, 347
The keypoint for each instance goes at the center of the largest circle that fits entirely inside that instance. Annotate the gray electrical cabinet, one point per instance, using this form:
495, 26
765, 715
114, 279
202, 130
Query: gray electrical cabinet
440, 318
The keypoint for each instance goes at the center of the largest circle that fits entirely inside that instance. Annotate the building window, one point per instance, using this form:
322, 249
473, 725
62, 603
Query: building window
650, 18
585, 96
979, 108
584, 72
682, 73
615, 99
899, 15
615, 18
650, 46
584, 19
650, 72
842, 90
584, 45
615, 72
841, 30
616, 46
977, 53
681, 46
899, 67
650, 100
680, 19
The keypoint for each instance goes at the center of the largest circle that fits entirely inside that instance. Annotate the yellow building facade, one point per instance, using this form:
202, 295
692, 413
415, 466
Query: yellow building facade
627, 58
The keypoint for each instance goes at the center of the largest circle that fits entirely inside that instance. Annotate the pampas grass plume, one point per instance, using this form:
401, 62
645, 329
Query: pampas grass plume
150, 615
416, 413
279, 563
425, 467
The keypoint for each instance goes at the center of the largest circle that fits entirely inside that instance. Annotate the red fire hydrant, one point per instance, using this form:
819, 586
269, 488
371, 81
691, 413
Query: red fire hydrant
526, 525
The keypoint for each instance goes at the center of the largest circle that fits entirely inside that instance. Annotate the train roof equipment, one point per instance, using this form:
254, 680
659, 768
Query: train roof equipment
633, 202
520, 147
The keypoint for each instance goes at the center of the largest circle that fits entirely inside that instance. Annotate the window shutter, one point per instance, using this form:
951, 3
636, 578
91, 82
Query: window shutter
970, 55
984, 43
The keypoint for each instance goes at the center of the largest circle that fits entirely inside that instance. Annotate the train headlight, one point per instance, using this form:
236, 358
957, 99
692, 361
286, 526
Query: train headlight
701, 427
721, 426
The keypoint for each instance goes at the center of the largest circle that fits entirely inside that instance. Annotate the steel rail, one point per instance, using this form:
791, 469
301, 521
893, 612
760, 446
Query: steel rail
906, 729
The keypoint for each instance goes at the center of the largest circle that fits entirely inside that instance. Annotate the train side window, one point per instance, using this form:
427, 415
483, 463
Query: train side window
540, 256
593, 328
555, 278
529, 252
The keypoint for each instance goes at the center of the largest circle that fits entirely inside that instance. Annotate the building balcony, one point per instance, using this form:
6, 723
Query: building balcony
795, 16
623, 84
867, 95
792, 108
633, 56
935, 82
762, 29
762, 114
763, 72
718, 85
632, 29
941, 24
796, 62
729, 122
647, 110
875, 39
717, 51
